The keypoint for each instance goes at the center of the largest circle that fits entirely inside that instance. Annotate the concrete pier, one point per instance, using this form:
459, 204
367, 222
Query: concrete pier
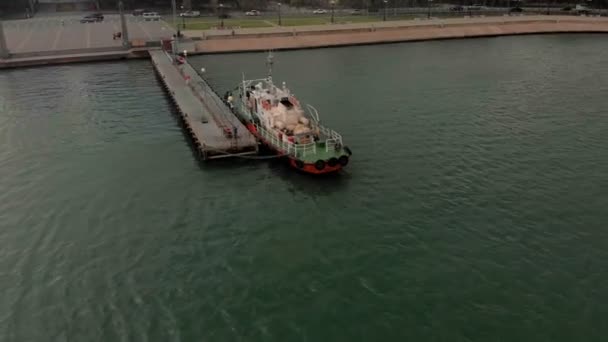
207, 120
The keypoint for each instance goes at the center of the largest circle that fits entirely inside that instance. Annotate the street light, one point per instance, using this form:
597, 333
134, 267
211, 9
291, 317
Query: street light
384, 14
429, 14
279, 12
183, 18
222, 15
333, 4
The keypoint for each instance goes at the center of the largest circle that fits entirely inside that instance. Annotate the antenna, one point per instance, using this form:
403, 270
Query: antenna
270, 62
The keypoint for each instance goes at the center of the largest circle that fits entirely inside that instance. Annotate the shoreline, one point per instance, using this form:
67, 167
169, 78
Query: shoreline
325, 36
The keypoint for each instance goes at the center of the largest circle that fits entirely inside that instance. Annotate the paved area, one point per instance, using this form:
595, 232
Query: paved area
54, 33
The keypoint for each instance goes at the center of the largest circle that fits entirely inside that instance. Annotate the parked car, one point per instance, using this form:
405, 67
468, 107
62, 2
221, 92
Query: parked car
224, 16
319, 11
138, 12
92, 18
356, 12
582, 9
253, 13
516, 10
567, 8
190, 14
151, 16
457, 8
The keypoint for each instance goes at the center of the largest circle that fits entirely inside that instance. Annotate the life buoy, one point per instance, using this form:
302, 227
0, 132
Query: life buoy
343, 160
299, 164
319, 165
332, 162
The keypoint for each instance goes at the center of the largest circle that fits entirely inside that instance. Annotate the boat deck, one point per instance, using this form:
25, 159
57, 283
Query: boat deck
207, 120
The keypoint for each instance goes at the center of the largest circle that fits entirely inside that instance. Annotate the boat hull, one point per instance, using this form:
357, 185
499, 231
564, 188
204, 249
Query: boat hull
299, 165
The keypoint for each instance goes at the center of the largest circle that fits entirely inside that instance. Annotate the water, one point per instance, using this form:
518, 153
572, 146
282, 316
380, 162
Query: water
474, 208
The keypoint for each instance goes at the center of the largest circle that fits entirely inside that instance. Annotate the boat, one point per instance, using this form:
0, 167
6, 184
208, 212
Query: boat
279, 121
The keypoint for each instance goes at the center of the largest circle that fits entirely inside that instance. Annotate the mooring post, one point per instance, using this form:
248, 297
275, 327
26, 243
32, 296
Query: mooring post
123, 24
3, 49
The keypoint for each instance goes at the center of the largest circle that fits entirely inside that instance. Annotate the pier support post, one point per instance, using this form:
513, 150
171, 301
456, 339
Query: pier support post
3, 49
123, 24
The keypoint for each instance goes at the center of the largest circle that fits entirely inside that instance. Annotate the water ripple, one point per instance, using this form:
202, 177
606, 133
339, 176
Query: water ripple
473, 206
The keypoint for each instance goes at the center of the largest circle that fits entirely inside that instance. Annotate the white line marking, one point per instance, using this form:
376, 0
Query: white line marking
57, 38
88, 33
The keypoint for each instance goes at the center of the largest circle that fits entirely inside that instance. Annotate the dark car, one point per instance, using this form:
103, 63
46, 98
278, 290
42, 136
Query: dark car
567, 8
139, 11
92, 18
516, 10
457, 8
224, 16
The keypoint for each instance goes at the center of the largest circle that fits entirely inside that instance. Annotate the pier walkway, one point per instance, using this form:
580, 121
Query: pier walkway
213, 128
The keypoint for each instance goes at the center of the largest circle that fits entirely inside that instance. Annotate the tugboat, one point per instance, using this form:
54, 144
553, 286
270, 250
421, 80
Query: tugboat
278, 120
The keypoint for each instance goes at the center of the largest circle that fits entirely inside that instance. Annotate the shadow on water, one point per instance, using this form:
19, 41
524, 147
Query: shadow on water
314, 185
293, 180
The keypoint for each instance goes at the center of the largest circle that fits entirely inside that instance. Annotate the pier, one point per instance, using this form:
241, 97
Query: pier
207, 120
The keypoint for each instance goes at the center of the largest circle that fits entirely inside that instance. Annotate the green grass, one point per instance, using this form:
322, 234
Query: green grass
303, 21
324, 20
209, 23
198, 24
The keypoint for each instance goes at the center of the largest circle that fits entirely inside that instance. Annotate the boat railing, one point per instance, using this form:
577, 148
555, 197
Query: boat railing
334, 139
295, 150
314, 113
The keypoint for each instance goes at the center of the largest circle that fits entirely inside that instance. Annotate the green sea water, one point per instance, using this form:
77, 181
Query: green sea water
474, 207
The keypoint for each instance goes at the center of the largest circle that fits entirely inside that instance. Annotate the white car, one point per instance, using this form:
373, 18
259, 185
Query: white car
151, 16
319, 11
253, 13
190, 14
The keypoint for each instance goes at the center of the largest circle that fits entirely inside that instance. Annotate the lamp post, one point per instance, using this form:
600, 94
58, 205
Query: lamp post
3, 49
333, 5
429, 13
221, 15
174, 8
279, 12
384, 14
183, 18
176, 40
123, 26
